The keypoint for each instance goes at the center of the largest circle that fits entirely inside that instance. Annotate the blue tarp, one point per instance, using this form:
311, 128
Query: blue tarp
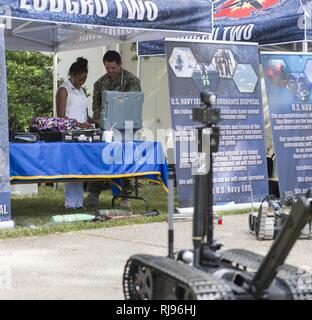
61, 161
262, 21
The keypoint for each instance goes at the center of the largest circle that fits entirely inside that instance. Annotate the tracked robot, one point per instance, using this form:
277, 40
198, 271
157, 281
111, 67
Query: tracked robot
206, 274
269, 220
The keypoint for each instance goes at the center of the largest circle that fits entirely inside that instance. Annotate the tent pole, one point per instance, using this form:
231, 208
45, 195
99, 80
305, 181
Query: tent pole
104, 49
139, 67
212, 17
55, 87
55, 72
118, 48
138, 61
5, 188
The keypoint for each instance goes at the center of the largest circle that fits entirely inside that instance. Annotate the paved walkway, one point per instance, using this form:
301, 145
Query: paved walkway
89, 264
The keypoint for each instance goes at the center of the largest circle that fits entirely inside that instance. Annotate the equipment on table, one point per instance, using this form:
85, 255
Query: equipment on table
205, 274
269, 220
23, 137
83, 135
61, 129
50, 129
119, 107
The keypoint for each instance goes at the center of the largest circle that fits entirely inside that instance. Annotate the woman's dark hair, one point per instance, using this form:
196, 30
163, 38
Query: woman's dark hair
112, 56
79, 67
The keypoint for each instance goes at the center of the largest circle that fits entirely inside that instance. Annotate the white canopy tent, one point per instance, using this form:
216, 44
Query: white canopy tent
60, 25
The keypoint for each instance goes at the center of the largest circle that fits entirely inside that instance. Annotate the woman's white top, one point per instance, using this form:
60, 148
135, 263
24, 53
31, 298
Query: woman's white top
76, 104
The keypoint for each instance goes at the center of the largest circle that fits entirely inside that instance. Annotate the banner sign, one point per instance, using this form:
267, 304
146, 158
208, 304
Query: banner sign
262, 21
5, 207
151, 48
288, 81
144, 14
231, 71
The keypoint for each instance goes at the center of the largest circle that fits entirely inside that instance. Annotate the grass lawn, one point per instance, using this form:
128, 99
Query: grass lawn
32, 214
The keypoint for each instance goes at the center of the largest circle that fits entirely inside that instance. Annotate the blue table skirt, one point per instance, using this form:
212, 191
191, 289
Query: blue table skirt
61, 161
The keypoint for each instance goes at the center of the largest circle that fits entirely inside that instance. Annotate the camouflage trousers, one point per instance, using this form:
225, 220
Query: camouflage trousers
99, 186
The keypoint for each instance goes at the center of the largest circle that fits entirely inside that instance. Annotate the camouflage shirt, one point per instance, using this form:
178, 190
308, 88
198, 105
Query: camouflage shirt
125, 82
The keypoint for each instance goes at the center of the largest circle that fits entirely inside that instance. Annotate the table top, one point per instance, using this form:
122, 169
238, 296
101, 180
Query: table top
64, 161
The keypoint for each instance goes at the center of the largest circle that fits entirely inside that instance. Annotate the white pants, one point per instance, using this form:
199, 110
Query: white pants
73, 193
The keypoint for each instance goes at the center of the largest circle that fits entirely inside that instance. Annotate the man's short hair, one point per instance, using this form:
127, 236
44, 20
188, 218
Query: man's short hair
112, 56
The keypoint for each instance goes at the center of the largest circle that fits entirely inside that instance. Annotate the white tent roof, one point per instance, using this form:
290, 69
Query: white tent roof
57, 25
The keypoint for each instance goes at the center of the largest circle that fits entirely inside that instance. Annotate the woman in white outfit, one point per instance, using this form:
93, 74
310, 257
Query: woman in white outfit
71, 102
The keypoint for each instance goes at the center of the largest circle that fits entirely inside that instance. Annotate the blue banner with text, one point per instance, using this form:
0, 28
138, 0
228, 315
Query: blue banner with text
262, 21
288, 81
5, 206
139, 14
231, 72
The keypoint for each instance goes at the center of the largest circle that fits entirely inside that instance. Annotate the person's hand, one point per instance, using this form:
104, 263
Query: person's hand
84, 125
96, 121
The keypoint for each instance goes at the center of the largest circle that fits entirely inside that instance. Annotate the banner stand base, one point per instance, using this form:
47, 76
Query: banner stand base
8, 224
187, 213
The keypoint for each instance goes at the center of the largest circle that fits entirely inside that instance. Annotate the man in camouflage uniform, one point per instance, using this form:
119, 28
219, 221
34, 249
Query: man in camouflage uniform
115, 79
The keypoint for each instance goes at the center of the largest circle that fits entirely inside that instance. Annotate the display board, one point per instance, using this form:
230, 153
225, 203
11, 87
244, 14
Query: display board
288, 81
231, 71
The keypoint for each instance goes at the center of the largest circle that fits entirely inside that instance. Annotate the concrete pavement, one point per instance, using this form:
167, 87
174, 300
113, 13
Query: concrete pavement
89, 264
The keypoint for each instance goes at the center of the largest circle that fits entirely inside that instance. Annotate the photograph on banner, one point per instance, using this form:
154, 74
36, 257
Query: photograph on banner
231, 72
288, 82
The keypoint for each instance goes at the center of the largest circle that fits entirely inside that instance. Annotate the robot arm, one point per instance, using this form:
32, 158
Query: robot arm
300, 214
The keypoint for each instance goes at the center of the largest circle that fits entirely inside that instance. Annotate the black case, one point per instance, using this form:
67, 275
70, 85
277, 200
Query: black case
48, 135
87, 135
93, 135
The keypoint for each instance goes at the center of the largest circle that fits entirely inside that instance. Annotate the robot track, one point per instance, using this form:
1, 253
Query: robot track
298, 280
149, 277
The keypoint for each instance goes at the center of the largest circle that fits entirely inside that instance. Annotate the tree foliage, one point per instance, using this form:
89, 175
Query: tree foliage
30, 87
